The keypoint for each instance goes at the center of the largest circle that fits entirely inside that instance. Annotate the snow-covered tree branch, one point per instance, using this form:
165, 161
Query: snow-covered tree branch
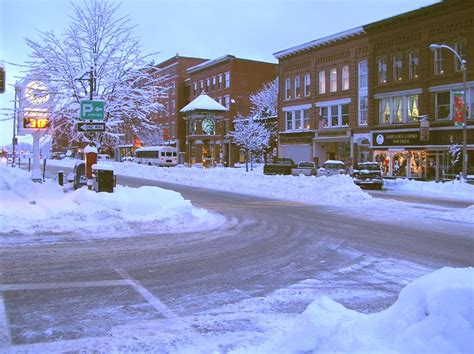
265, 102
251, 135
98, 40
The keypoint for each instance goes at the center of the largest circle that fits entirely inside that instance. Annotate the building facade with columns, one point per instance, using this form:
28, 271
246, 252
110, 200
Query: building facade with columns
379, 93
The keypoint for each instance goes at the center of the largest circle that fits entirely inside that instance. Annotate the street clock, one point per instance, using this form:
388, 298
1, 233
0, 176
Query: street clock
36, 93
208, 126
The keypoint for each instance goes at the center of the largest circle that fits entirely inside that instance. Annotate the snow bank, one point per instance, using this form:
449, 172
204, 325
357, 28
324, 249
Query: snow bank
44, 208
434, 314
454, 189
337, 189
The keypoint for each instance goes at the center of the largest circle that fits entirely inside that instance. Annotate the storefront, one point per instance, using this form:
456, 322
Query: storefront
296, 146
402, 153
333, 145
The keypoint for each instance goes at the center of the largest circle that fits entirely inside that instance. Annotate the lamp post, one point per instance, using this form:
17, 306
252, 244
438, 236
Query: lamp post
434, 47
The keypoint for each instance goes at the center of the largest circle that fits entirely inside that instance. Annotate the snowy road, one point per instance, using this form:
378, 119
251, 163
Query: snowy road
217, 290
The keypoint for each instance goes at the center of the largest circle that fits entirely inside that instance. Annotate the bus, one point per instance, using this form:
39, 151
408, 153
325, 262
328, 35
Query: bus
157, 155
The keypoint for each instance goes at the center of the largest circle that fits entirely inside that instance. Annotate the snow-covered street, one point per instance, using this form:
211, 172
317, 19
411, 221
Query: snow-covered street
230, 276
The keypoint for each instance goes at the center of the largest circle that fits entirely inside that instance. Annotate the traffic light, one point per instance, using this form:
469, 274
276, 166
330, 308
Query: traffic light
2, 80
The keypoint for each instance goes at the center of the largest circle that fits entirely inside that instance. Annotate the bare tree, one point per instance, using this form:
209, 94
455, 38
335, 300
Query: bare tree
100, 43
251, 135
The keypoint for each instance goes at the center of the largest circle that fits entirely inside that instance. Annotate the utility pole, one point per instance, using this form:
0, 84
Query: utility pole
91, 80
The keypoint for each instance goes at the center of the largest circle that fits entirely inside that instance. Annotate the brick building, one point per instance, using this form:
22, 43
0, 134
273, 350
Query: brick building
378, 92
229, 81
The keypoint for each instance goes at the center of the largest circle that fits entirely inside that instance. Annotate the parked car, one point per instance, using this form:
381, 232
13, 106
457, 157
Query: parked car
103, 157
278, 166
368, 174
128, 159
58, 155
331, 168
306, 168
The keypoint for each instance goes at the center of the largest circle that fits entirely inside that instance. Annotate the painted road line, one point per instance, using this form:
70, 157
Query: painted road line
63, 285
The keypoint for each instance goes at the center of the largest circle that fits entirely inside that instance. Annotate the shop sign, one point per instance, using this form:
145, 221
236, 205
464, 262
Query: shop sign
396, 138
424, 130
458, 108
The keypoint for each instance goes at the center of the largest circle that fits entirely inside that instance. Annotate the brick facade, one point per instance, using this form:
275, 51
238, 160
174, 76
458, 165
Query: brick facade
341, 126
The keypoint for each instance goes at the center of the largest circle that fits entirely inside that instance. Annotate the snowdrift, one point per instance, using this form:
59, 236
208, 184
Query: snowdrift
434, 314
40, 208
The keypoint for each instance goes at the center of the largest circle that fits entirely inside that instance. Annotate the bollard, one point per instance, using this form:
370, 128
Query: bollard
61, 178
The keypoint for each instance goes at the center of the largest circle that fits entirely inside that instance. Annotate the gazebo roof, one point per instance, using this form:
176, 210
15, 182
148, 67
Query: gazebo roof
203, 103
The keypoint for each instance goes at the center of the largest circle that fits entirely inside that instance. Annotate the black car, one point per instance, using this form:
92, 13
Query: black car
279, 166
368, 174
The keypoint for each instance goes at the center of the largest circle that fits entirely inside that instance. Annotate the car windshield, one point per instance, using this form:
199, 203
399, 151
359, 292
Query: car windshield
333, 166
306, 164
370, 167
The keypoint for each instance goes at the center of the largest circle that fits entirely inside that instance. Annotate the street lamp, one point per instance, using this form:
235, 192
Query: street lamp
434, 47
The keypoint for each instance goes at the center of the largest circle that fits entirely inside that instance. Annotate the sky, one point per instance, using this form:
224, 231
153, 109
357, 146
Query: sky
250, 29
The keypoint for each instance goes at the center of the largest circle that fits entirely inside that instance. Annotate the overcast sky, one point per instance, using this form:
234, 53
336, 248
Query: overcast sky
251, 29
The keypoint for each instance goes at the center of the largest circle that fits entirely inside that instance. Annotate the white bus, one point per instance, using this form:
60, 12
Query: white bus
157, 155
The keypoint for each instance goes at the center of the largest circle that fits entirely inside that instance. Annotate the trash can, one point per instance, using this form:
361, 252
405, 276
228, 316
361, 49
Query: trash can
104, 179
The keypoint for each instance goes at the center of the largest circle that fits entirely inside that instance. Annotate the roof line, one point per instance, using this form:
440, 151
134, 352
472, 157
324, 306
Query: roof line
320, 41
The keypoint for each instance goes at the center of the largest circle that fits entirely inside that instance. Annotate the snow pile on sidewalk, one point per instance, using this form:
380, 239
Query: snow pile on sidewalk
453, 189
319, 190
34, 208
434, 314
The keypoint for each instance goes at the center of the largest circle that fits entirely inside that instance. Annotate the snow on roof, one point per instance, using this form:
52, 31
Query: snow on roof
89, 149
319, 42
203, 103
102, 166
210, 63
334, 162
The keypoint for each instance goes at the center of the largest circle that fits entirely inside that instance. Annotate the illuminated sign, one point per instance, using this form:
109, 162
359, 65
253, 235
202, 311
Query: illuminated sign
34, 119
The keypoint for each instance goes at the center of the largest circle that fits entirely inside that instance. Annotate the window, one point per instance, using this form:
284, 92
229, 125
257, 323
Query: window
195, 88
173, 107
306, 119
219, 100
213, 84
322, 82
398, 109
227, 101
289, 120
201, 85
443, 105
384, 107
287, 89
382, 70
297, 118
324, 116
297, 87
460, 48
208, 85
438, 62
307, 84
363, 75
413, 64
227, 80
333, 80
345, 77
334, 116
219, 82
173, 88
412, 106
397, 67
363, 110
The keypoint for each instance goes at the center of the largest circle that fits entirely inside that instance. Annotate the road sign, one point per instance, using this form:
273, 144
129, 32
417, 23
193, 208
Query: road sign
92, 110
90, 127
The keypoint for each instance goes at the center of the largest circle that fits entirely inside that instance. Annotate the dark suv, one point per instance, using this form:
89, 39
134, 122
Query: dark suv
368, 174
